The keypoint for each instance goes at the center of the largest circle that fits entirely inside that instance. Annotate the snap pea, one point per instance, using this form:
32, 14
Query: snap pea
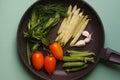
73, 58
70, 58
89, 59
73, 51
77, 60
76, 68
72, 64
80, 53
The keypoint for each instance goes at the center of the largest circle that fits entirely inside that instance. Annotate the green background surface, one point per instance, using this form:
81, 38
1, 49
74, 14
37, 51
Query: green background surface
11, 12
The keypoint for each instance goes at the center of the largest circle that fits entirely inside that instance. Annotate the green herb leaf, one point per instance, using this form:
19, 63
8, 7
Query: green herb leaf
45, 41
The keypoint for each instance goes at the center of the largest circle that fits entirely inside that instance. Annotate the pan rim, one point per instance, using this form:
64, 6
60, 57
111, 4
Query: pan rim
19, 50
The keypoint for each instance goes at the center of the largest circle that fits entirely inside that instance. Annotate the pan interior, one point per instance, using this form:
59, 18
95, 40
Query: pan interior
95, 26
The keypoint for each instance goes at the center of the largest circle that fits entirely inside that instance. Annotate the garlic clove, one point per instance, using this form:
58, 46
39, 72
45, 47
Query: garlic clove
85, 33
80, 43
88, 39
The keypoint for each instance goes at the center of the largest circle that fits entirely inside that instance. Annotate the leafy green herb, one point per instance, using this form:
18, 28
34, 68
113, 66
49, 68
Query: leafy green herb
43, 19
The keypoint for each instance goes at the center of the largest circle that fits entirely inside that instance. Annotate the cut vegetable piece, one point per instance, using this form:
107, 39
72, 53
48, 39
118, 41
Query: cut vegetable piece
81, 16
81, 22
74, 8
64, 24
75, 14
65, 19
69, 9
79, 33
70, 31
72, 26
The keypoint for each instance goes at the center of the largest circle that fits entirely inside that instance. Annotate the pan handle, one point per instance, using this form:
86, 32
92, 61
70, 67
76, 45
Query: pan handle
110, 55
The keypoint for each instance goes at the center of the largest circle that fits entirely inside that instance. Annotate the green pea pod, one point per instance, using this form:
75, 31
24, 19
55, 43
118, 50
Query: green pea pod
89, 59
72, 58
80, 53
73, 64
76, 68
79, 58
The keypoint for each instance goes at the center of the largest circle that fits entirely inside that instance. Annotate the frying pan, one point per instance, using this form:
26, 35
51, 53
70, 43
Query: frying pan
96, 45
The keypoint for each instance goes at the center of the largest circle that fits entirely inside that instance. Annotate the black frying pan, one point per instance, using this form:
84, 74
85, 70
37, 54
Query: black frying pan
97, 45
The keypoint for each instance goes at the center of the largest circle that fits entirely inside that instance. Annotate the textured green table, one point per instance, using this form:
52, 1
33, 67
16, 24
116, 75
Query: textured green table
11, 12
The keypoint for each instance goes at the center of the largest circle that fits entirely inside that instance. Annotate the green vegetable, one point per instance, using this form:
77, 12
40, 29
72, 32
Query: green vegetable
80, 53
35, 47
69, 58
52, 21
73, 64
89, 59
78, 58
76, 68
43, 18
28, 53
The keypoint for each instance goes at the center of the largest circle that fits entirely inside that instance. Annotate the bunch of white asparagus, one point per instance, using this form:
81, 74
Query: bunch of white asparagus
72, 26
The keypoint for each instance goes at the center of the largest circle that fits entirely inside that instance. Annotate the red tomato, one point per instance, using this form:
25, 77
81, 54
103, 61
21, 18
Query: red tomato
56, 50
37, 60
50, 64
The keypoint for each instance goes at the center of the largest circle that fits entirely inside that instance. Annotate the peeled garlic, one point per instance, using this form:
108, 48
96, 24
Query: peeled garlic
87, 39
85, 33
80, 43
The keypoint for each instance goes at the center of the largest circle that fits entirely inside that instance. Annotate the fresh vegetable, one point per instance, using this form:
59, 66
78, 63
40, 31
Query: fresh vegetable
38, 28
37, 60
80, 43
79, 33
50, 64
85, 33
76, 68
69, 26
40, 23
86, 40
80, 53
42, 19
62, 26
73, 64
78, 58
28, 53
83, 18
72, 26
56, 50
70, 58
